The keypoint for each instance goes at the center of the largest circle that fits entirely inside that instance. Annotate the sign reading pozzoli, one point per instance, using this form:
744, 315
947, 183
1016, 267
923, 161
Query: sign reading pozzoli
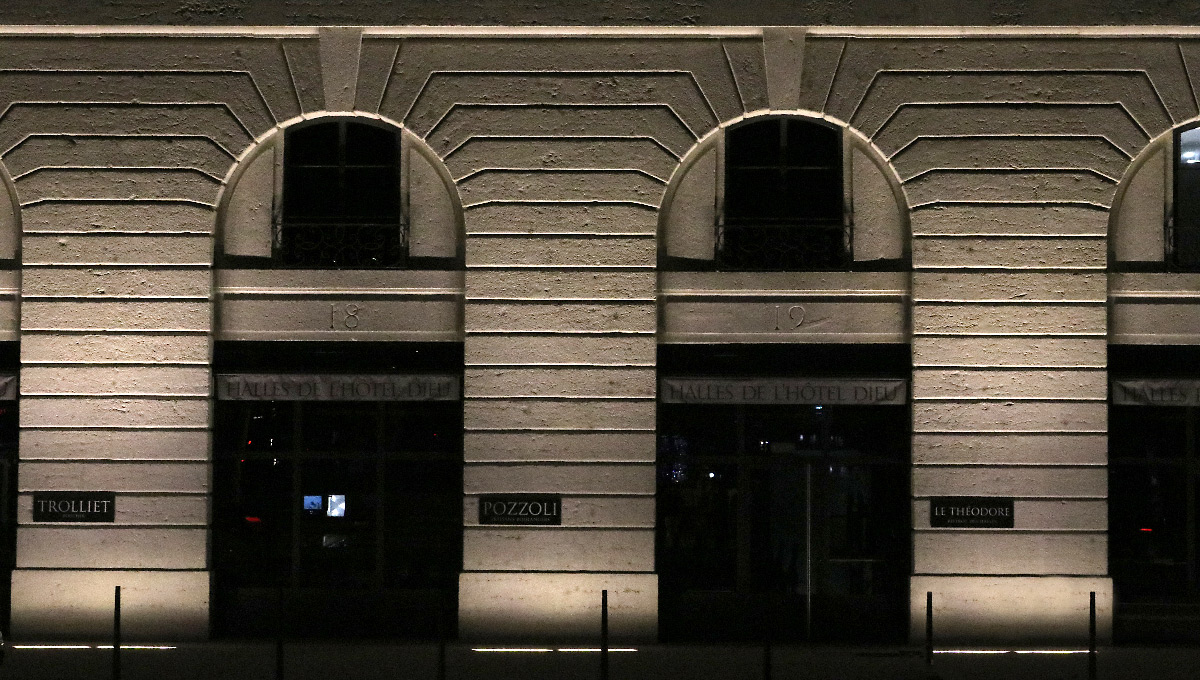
520, 508
971, 512
781, 391
74, 506
336, 387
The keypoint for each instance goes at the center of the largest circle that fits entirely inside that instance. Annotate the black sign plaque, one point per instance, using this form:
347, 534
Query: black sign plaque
74, 506
520, 508
971, 512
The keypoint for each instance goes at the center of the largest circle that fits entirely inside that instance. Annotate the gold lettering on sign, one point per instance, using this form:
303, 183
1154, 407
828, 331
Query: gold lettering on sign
789, 320
345, 316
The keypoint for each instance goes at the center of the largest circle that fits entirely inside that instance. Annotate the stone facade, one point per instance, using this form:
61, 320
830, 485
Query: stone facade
1010, 167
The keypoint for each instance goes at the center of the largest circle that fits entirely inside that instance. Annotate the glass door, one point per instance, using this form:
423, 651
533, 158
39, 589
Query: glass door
8, 507
787, 522
337, 519
1154, 474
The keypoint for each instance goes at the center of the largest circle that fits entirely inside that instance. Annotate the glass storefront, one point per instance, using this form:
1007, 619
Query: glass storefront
337, 503
1154, 495
8, 500
778, 515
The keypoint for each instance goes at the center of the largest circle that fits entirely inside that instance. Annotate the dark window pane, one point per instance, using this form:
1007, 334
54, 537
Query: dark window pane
372, 195
355, 534
343, 427
338, 521
1147, 433
252, 521
697, 528
1187, 200
229, 429
268, 426
754, 143
812, 144
755, 503
813, 195
424, 539
422, 430
369, 145
312, 194
1187, 216
754, 195
313, 145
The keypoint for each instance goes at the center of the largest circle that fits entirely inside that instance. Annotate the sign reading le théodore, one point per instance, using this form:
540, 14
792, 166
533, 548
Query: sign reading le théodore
520, 508
971, 512
74, 506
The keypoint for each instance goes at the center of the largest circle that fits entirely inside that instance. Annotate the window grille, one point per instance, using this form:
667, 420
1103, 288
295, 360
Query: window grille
341, 197
783, 206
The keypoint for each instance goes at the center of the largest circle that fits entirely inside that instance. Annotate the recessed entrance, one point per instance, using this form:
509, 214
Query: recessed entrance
1154, 495
787, 521
8, 494
337, 503
1154, 502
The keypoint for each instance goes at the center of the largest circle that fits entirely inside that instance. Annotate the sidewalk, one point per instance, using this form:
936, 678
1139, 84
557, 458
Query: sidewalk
356, 661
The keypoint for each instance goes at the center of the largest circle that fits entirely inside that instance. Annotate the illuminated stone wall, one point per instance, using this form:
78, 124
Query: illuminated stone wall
1005, 148
118, 149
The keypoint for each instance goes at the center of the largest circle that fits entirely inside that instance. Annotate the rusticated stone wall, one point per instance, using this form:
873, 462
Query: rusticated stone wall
1007, 147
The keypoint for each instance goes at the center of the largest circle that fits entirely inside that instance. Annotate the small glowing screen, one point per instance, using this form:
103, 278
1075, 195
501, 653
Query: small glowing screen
312, 502
337, 506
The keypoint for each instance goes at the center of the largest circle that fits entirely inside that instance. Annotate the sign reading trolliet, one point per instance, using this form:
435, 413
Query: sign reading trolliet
74, 506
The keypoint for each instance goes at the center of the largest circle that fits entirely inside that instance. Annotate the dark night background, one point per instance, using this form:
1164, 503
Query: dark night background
605, 12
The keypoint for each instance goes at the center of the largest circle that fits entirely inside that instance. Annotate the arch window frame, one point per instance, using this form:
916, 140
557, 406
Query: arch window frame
308, 232
1175, 259
872, 222
793, 227
258, 211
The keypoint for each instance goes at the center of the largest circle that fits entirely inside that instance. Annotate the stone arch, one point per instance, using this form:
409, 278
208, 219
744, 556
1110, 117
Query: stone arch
10, 219
874, 208
1138, 220
249, 204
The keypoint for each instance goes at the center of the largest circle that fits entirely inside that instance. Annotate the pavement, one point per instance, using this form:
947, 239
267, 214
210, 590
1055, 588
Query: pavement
421, 661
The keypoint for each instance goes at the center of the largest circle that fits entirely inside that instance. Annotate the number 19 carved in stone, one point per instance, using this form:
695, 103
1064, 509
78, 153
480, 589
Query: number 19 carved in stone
791, 320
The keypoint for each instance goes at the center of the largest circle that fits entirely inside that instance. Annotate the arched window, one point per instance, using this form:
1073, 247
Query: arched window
341, 197
783, 197
1154, 224
1184, 243
342, 193
783, 193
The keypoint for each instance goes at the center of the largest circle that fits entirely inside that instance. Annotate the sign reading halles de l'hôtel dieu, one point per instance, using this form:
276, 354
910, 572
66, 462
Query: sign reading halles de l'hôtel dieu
828, 391
74, 506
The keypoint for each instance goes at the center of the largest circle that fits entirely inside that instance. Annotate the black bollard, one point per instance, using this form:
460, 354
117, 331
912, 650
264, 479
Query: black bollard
116, 656
604, 635
929, 628
766, 662
279, 635
1092, 636
443, 633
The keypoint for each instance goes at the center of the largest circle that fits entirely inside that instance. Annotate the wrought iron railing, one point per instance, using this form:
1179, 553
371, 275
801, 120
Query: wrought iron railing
342, 245
776, 246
